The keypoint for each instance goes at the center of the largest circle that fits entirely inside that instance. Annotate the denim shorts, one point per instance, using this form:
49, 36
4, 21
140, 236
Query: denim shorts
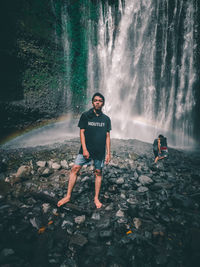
163, 153
81, 160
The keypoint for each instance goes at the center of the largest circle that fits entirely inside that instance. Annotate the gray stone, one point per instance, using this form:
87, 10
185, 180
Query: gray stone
122, 195
120, 213
104, 223
144, 180
45, 207
109, 207
119, 181
41, 163
7, 252
132, 201
66, 223
78, 239
80, 219
50, 162
46, 172
56, 166
122, 220
23, 172
84, 179
64, 164
142, 189
95, 216
137, 222
105, 233
34, 223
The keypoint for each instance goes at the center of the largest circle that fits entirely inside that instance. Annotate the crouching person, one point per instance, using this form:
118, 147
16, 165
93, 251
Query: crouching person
160, 148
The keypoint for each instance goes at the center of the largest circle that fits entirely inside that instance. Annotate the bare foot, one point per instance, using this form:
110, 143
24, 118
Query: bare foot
63, 201
97, 203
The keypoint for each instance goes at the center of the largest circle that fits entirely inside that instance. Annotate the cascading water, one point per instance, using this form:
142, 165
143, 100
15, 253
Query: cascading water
141, 56
146, 68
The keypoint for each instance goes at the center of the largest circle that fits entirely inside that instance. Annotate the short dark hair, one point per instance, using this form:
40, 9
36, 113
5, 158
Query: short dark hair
100, 95
160, 136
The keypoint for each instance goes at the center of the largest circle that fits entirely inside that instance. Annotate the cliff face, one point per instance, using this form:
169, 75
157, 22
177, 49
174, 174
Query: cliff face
31, 62
42, 74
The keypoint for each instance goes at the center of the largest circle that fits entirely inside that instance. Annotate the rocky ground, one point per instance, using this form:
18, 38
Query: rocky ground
150, 214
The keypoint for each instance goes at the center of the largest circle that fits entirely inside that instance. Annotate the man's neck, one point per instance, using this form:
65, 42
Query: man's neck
97, 113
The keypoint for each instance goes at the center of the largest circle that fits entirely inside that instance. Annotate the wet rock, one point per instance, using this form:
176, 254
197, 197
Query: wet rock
161, 185
64, 164
50, 162
69, 262
55, 166
44, 197
158, 226
23, 172
161, 259
137, 222
122, 220
120, 181
78, 239
109, 207
132, 200
103, 223
93, 236
6, 252
35, 222
45, 207
122, 195
46, 172
80, 219
41, 164
120, 213
132, 210
142, 189
145, 180
95, 216
67, 223
105, 233
5, 188
3, 165
182, 201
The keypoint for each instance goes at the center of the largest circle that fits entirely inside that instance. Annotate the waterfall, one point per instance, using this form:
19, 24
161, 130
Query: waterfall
141, 54
145, 62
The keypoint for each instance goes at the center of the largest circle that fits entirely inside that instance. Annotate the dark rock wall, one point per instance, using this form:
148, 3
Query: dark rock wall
31, 63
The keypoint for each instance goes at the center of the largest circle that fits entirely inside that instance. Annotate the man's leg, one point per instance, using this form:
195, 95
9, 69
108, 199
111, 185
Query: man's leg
72, 180
98, 179
156, 159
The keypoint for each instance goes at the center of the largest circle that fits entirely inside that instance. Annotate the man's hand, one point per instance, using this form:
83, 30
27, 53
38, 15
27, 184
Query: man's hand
86, 154
108, 158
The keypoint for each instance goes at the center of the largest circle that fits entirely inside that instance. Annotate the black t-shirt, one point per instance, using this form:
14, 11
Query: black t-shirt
96, 128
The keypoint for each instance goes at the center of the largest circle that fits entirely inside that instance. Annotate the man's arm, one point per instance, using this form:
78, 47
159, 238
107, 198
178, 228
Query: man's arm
82, 137
108, 155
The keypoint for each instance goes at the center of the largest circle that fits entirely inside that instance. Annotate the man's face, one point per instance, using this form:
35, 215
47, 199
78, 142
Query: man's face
97, 103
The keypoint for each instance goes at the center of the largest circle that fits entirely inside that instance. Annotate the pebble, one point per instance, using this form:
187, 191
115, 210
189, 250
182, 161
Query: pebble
80, 219
41, 163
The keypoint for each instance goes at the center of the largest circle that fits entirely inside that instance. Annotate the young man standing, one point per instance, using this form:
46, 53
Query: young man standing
95, 145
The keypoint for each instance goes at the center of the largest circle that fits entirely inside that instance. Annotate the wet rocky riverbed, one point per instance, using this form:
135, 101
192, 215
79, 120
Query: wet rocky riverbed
150, 214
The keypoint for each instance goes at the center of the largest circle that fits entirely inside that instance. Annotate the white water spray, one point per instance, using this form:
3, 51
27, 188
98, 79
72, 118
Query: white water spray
128, 61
